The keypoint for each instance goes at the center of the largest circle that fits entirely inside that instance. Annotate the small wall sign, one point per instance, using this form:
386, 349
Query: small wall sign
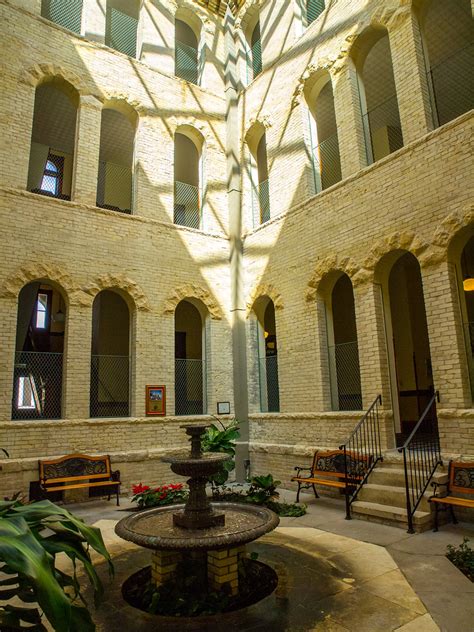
155, 400
223, 408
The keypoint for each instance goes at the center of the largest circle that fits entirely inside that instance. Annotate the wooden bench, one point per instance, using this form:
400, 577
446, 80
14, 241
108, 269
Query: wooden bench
78, 471
460, 481
333, 469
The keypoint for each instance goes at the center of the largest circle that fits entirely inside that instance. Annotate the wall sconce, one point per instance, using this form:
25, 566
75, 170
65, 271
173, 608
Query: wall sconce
468, 285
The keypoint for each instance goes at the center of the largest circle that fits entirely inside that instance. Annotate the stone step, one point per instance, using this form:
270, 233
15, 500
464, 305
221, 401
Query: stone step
390, 495
394, 516
396, 476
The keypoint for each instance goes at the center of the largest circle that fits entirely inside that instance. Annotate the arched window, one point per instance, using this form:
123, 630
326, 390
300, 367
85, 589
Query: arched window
448, 33
115, 177
188, 178
314, 8
267, 353
467, 303
121, 25
67, 13
343, 350
325, 156
381, 118
38, 374
110, 357
52, 140
189, 60
258, 172
252, 43
190, 368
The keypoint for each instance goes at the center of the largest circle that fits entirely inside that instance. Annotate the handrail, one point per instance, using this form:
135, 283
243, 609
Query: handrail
364, 441
421, 457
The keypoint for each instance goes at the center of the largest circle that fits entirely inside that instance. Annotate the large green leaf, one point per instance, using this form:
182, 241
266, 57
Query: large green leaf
22, 552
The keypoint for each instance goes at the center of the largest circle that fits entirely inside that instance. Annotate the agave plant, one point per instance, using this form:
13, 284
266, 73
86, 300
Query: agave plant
30, 538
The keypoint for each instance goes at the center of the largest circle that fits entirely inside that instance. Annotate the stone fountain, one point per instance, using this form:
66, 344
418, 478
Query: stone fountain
214, 533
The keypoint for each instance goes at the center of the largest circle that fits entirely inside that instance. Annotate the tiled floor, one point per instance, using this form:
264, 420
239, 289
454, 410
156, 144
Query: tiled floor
334, 576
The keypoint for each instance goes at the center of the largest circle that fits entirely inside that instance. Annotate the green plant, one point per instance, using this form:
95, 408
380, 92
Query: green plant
462, 556
216, 440
31, 536
262, 489
171, 494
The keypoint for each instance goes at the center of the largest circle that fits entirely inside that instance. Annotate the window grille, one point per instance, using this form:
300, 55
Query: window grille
345, 369
383, 130
187, 210
326, 163
469, 334
255, 61
67, 13
190, 381
314, 8
37, 385
121, 31
186, 62
110, 386
114, 187
269, 386
261, 202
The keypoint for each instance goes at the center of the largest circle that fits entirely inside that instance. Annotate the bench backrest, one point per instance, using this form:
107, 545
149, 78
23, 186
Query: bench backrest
74, 467
461, 477
331, 462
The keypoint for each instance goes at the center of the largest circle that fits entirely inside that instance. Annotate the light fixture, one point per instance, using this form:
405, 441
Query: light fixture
59, 316
265, 334
467, 267
468, 285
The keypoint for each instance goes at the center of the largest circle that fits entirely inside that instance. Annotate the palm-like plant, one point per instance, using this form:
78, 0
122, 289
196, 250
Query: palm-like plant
30, 538
221, 440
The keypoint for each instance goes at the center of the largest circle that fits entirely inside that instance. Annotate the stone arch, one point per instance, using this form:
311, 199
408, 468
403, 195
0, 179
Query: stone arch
193, 128
131, 108
407, 241
130, 290
325, 268
192, 15
265, 290
451, 225
256, 128
310, 75
192, 292
43, 271
41, 73
193, 133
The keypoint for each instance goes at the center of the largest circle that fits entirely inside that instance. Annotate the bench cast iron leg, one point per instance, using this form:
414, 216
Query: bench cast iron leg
298, 492
348, 506
451, 509
314, 490
118, 497
436, 518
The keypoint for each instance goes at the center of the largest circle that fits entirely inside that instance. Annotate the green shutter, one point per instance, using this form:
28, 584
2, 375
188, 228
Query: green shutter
314, 8
121, 32
67, 13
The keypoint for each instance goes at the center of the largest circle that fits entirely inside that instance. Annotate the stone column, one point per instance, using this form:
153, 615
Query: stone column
8, 318
410, 75
148, 177
77, 362
84, 187
223, 568
350, 129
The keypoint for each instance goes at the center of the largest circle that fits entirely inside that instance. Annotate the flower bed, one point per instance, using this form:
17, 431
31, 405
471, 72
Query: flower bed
171, 494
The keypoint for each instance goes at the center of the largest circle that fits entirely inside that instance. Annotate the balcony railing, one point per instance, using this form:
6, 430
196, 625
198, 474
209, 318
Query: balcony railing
383, 132
37, 385
269, 387
114, 187
110, 386
67, 13
187, 211
121, 31
326, 163
261, 203
452, 85
186, 62
345, 372
189, 386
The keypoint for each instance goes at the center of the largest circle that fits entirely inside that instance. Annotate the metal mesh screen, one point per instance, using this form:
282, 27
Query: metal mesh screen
469, 333
37, 385
110, 386
67, 13
189, 387
114, 187
383, 129
186, 62
452, 85
261, 203
327, 163
187, 210
269, 388
121, 31
314, 8
344, 365
255, 61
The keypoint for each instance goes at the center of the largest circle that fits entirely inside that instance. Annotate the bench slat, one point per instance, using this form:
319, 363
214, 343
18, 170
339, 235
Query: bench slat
82, 477
77, 486
453, 500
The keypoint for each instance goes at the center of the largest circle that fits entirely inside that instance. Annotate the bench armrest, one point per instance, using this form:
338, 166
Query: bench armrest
299, 469
435, 485
115, 476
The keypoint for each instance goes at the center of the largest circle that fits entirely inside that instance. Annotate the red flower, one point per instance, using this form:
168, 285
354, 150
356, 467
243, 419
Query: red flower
139, 489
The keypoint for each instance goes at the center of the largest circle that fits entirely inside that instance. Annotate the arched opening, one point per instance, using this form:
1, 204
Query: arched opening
252, 42
53, 140
190, 373
267, 352
110, 356
314, 8
466, 268
448, 34
38, 373
188, 65
325, 155
121, 25
66, 13
258, 172
187, 181
343, 351
381, 118
115, 177
408, 342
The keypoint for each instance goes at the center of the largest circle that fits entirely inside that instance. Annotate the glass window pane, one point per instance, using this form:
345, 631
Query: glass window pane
50, 184
25, 393
50, 166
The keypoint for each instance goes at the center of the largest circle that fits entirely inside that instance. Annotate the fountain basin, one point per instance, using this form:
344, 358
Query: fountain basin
154, 528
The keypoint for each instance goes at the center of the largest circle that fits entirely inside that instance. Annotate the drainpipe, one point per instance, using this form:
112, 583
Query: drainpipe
234, 195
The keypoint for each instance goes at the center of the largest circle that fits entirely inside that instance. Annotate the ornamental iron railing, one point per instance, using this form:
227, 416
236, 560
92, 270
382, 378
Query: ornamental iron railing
269, 386
189, 386
67, 13
110, 386
345, 371
383, 131
114, 187
187, 211
37, 385
326, 163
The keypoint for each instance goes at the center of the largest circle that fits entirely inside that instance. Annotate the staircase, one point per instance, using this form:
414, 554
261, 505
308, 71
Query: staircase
383, 498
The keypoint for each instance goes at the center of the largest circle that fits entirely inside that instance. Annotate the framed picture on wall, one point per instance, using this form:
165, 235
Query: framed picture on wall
155, 403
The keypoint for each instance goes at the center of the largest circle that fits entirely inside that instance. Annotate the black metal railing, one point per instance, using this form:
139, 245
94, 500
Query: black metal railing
362, 452
269, 385
189, 386
326, 163
421, 456
344, 366
383, 130
110, 386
